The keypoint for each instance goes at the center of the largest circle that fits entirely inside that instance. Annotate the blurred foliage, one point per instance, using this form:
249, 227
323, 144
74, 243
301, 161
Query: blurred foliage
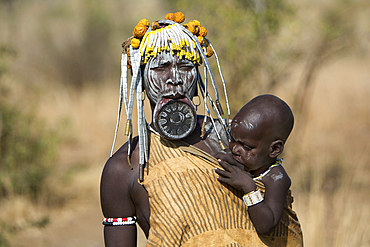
3, 242
78, 59
27, 152
27, 148
336, 33
259, 42
5, 51
244, 34
77, 43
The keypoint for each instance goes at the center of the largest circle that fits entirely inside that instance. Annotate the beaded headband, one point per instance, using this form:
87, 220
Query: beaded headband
184, 41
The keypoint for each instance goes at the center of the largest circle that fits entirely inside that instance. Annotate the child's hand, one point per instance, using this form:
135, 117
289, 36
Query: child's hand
227, 156
235, 177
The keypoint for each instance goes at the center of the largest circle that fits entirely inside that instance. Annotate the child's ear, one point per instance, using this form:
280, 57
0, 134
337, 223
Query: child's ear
276, 148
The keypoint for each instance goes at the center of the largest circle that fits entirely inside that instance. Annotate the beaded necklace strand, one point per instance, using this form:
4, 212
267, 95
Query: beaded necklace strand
277, 163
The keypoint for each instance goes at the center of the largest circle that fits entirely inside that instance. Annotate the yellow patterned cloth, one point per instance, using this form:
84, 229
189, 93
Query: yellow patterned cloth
189, 207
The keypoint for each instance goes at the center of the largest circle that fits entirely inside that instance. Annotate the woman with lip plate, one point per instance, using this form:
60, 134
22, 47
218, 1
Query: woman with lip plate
164, 179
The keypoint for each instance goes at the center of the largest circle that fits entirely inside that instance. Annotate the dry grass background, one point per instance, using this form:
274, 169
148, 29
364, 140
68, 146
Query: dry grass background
327, 155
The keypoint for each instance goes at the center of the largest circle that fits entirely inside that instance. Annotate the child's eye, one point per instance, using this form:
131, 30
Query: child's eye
247, 148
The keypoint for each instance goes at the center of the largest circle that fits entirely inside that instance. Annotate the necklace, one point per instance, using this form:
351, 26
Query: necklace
277, 163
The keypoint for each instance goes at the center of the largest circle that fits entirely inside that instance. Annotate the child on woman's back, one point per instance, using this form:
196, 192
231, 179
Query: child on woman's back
259, 132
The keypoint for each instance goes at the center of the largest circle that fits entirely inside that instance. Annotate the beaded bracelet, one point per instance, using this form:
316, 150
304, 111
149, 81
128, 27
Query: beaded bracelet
253, 198
119, 221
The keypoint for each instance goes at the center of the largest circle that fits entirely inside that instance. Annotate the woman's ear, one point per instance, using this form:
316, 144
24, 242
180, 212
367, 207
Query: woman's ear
276, 148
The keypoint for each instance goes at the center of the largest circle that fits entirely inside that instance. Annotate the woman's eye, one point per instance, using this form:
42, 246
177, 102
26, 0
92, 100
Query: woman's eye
247, 148
187, 68
186, 65
159, 68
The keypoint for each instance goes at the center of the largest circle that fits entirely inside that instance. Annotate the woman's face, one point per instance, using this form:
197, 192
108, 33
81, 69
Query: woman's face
167, 76
170, 84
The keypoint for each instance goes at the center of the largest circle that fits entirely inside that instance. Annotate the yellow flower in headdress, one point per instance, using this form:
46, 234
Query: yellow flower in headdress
139, 31
179, 17
135, 43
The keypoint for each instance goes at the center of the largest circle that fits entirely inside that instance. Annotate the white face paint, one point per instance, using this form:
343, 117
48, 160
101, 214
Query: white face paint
251, 122
167, 76
247, 145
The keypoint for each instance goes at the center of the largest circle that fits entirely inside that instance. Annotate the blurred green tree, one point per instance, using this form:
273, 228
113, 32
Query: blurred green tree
5, 51
259, 42
336, 32
245, 34
76, 58
27, 147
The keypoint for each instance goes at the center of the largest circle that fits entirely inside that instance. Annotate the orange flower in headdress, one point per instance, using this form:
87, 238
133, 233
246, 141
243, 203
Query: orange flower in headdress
145, 22
209, 51
200, 40
206, 42
202, 32
193, 27
179, 17
170, 16
139, 31
128, 59
197, 23
155, 25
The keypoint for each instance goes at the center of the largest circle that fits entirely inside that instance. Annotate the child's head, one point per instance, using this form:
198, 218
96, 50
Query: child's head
259, 131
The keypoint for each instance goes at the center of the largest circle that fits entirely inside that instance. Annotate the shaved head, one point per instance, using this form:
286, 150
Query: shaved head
268, 112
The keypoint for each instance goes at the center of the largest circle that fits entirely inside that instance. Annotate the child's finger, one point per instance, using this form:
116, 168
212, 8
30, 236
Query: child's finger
222, 173
224, 180
224, 165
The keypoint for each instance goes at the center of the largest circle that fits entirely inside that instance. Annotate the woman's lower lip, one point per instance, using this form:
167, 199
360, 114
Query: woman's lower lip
174, 96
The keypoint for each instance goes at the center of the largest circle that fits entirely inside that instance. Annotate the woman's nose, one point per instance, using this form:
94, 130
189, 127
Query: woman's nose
175, 78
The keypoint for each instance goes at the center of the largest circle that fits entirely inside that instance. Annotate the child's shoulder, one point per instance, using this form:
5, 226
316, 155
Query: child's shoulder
277, 176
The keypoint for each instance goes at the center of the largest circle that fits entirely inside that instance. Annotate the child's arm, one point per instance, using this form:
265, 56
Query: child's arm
266, 214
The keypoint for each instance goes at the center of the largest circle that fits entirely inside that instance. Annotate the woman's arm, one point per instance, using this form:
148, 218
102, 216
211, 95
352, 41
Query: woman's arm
122, 196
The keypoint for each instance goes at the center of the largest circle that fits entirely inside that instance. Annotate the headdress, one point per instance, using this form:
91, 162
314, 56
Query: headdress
184, 41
